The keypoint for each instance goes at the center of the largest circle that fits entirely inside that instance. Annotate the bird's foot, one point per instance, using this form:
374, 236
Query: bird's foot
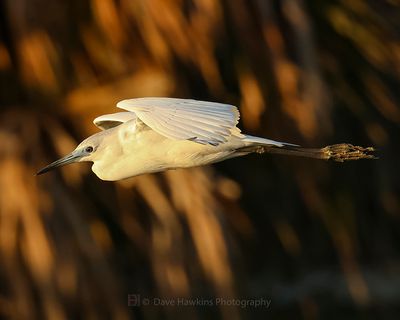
345, 152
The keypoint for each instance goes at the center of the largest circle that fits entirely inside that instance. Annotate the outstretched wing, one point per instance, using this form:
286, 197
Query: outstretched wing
108, 121
183, 119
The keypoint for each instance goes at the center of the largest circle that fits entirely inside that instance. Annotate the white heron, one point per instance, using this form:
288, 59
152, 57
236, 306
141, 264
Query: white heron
158, 134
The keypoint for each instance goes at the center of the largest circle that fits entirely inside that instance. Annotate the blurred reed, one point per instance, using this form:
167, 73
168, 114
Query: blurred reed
307, 72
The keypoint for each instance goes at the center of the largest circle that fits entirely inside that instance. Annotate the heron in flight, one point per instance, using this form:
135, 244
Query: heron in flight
158, 134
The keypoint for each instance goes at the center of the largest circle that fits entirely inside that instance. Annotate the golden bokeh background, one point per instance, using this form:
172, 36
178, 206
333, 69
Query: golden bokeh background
317, 238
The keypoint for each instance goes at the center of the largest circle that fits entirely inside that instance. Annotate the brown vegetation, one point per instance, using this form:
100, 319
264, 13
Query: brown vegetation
315, 237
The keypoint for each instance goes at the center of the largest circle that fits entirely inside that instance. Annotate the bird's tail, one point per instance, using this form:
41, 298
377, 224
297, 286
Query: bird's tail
337, 152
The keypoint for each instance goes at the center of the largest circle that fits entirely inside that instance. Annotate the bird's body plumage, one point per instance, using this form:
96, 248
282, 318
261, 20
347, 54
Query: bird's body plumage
168, 134
157, 134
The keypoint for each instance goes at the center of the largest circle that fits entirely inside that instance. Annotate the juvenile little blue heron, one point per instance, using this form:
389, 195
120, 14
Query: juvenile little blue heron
157, 134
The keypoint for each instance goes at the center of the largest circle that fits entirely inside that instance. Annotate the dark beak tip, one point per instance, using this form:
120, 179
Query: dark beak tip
41, 171
58, 163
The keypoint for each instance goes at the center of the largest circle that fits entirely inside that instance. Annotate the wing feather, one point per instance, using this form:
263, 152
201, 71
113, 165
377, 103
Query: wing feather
180, 132
162, 126
222, 129
108, 121
183, 119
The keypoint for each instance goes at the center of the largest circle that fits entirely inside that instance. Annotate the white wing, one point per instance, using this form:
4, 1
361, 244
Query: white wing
108, 121
184, 119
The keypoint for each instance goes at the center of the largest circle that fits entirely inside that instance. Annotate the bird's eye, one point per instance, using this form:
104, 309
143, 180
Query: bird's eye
89, 149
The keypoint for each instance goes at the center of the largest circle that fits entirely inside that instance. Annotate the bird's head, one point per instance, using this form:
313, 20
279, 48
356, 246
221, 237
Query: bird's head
85, 151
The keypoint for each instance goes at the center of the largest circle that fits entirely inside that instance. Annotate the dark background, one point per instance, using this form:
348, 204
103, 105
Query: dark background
319, 239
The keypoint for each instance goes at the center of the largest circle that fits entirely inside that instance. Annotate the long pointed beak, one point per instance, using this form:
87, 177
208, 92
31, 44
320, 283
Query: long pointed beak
71, 158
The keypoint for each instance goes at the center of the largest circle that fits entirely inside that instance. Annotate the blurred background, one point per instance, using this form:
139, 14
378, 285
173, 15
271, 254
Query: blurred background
320, 240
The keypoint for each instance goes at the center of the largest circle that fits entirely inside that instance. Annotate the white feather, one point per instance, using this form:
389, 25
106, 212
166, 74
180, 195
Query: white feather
108, 121
183, 119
